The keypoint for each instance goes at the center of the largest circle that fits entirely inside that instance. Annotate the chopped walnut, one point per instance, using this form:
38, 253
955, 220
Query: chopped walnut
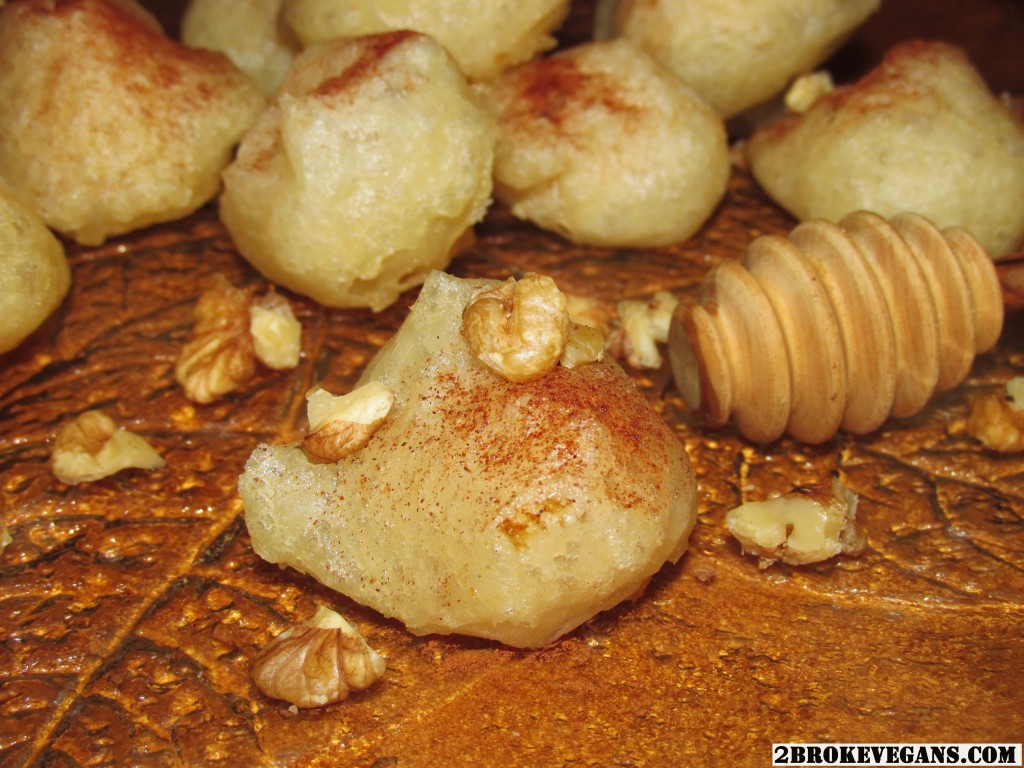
220, 355
807, 89
997, 421
642, 326
230, 334
519, 329
318, 663
584, 344
341, 425
806, 525
276, 332
93, 447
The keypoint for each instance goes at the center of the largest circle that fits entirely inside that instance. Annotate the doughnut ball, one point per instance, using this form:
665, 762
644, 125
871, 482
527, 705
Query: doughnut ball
367, 171
34, 275
604, 146
107, 125
484, 36
921, 132
250, 32
513, 511
735, 53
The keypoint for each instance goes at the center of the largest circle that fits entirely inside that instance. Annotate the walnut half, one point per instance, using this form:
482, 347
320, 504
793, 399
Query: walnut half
317, 663
806, 525
220, 354
519, 329
93, 447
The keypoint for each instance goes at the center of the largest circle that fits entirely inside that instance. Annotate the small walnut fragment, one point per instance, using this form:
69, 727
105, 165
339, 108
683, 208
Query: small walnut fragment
317, 663
341, 425
806, 525
276, 332
997, 421
583, 344
643, 325
807, 89
93, 447
231, 332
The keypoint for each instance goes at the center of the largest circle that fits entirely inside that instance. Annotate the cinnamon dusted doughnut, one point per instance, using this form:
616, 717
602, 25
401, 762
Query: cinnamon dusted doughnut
604, 146
107, 125
921, 132
367, 171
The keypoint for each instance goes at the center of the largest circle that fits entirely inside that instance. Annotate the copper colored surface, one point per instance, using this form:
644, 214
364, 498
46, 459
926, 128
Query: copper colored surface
131, 608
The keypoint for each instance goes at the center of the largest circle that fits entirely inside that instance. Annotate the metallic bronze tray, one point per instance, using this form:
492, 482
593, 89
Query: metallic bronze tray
130, 608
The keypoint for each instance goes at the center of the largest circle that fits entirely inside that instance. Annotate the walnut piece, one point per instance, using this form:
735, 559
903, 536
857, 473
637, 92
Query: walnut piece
590, 322
642, 326
220, 356
584, 344
807, 89
998, 421
341, 425
806, 525
231, 332
276, 332
317, 663
93, 447
519, 329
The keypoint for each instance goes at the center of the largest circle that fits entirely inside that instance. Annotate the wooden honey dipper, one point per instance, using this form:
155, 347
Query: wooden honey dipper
835, 327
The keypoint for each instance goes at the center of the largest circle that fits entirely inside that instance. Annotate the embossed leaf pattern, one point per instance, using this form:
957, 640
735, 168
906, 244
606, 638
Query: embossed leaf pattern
131, 607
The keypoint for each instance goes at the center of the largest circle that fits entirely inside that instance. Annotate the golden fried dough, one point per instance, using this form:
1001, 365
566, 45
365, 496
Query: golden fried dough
106, 125
736, 54
34, 275
481, 506
921, 132
485, 38
606, 147
250, 32
367, 171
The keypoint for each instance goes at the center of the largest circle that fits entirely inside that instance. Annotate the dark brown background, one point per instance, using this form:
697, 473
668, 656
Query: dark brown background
130, 608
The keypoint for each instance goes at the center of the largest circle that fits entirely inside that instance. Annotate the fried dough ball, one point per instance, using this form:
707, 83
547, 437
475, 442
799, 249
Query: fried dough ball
250, 32
482, 506
921, 132
606, 147
367, 171
34, 275
736, 54
484, 37
106, 125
